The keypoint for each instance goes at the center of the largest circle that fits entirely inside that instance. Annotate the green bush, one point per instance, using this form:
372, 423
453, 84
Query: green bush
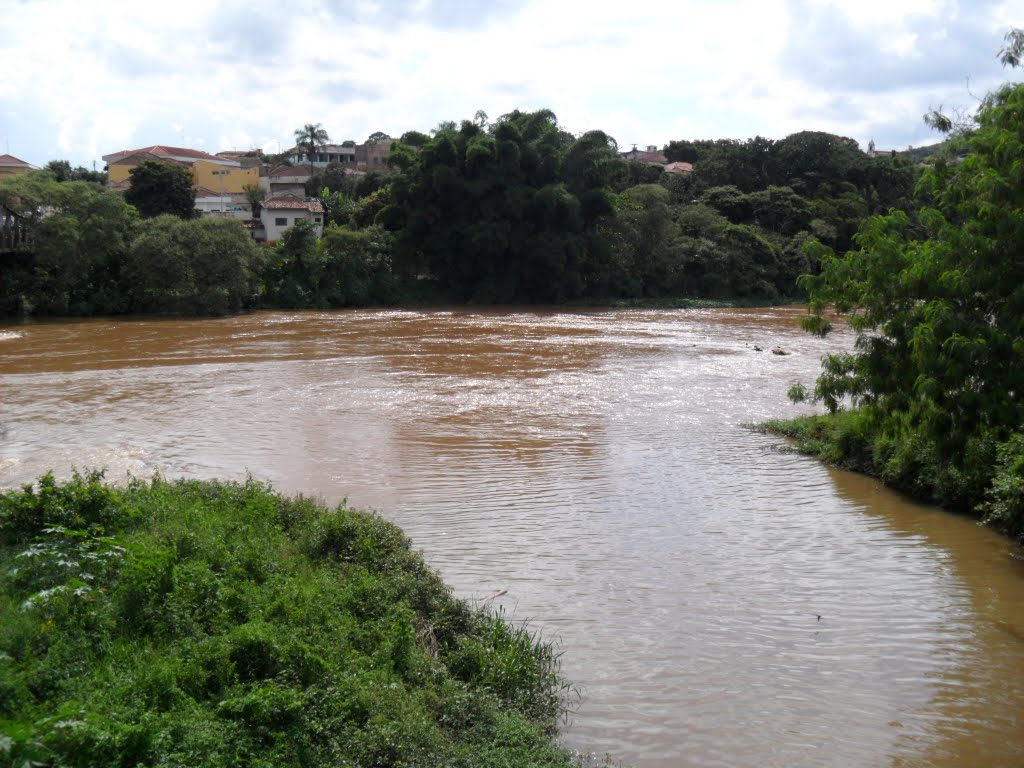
1004, 506
204, 623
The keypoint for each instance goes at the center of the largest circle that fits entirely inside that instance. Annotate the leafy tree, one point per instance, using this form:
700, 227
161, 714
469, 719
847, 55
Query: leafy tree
311, 136
254, 195
681, 152
62, 171
503, 214
81, 233
742, 164
808, 160
377, 137
205, 266
158, 188
414, 139
939, 313
343, 268
730, 202
781, 210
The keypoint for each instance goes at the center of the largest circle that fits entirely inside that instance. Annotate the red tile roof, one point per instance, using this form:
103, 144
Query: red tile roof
679, 167
651, 157
166, 152
135, 158
10, 160
289, 202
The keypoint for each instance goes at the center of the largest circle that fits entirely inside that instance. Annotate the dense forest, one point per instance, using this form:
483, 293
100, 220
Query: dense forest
517, 210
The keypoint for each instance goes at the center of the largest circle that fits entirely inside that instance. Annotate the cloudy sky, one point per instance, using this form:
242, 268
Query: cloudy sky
83, 79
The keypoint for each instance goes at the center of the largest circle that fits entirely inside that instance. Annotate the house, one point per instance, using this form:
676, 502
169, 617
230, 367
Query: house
373, 156
324, 155
652, 155
255, 228
679, 167
286, 180
220, 174
212, 203
12, 166
284, 211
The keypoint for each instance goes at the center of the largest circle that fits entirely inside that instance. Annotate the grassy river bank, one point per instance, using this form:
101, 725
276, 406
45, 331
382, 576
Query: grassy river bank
204, 623
987, 482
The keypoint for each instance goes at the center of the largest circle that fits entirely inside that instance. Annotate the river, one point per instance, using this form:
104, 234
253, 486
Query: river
719, 600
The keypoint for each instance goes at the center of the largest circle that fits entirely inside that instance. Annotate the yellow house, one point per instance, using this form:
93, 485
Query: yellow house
12, 166
220, 174
223, 178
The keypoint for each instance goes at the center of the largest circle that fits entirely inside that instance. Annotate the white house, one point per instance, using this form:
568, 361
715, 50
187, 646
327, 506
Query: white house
286, 180
324, 155
283, 211
212, 203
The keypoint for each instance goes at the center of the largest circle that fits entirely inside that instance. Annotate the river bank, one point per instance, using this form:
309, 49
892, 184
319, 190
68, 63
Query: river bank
189, 622
851, 440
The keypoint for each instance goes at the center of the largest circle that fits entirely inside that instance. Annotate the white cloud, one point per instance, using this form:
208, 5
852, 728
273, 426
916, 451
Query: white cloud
95, 78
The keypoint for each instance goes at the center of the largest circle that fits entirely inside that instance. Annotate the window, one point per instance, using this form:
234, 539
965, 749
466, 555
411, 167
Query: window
299, 218
281, 222
316, 219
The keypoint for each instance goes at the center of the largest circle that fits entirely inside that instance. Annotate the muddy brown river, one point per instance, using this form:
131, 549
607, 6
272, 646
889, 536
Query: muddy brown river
719, 601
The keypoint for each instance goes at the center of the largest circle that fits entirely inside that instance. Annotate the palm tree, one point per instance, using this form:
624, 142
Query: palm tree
310, 137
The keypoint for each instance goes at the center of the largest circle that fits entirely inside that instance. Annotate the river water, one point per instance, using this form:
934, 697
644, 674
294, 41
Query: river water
719, 601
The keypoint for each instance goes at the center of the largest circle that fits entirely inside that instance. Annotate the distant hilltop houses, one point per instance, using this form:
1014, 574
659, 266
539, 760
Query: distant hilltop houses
655, 156
228, 183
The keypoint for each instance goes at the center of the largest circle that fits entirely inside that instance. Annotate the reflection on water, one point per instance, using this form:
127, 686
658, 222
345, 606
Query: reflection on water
720, 602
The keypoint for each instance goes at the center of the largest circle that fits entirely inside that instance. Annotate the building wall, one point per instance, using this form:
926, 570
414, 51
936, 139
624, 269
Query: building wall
275, 229
222, 178
227, 206
118, 172
332, 153
287, 188
370, 157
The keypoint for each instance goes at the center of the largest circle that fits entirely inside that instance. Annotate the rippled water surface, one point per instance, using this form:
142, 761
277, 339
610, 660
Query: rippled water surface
720, 602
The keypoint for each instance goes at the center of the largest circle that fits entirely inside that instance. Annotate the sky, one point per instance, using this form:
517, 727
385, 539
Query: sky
84, 79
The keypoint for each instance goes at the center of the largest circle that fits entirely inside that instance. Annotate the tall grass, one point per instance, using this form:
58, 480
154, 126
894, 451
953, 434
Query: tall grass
217, 624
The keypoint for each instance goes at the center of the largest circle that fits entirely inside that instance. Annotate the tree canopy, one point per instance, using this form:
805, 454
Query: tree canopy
937, 300
159, 188
502, 214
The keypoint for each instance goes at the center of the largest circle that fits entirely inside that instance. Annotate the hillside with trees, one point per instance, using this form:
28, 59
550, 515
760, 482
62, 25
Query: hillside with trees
512, 210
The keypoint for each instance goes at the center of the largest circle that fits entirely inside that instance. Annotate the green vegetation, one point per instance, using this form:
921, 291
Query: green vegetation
92, 254
201, 623
159, 188
343, 268
190, 267
521, 210
511, 210
937, 301
62, 171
